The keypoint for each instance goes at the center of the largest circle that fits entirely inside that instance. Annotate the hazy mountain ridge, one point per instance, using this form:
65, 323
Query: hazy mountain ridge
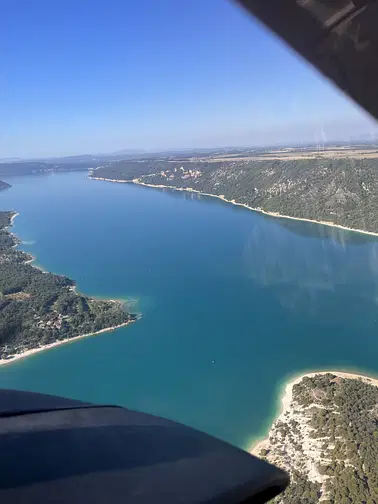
41, 167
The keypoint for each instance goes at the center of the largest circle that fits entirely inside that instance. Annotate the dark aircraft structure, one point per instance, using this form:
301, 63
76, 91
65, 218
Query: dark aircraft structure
63, 451
56, 450
338, 37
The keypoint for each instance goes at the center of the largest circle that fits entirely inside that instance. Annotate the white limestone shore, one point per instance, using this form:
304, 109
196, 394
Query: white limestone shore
234, 202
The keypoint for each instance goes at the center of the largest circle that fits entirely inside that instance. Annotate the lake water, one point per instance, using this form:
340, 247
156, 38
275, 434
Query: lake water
233, 302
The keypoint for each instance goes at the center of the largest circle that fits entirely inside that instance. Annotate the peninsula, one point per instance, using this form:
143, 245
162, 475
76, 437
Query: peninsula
39, 310
326, 437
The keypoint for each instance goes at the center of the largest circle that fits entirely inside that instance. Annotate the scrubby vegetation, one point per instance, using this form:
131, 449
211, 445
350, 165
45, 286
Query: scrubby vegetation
338, 419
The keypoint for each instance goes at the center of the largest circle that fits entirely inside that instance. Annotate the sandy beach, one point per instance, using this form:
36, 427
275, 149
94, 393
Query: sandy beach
43, 348
12, 218
256, 446
233, 202
17, 240
32, 260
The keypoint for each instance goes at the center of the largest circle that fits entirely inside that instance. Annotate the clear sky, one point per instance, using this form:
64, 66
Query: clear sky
87, 76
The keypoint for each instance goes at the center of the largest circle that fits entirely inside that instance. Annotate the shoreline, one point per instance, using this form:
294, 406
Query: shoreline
43, 348
286, 396
12, 218
32, 258
233, 202
16, 238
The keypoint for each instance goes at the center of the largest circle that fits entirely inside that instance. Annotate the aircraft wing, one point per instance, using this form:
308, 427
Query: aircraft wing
63, 451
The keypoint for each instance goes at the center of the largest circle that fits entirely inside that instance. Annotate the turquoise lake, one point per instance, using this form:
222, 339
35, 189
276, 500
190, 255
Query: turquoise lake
233, 303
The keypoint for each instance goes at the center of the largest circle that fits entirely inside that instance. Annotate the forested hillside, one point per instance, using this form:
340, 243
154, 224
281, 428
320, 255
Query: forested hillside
327, 439
343, 191
38, 308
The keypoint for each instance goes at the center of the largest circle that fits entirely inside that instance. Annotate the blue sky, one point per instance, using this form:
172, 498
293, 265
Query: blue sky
86, 76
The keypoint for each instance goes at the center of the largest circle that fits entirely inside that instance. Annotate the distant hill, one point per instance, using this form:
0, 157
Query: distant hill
39, 167
61, 164
4, 185
342, 190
